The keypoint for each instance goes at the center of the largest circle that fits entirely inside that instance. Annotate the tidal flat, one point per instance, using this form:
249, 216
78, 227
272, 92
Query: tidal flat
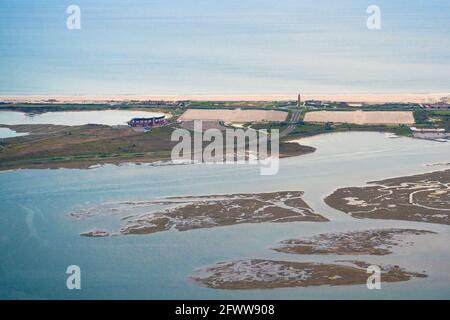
365, 242
423, 197
269, 274
188, 213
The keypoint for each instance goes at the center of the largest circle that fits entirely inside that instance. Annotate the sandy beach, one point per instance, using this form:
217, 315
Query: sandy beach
357, 97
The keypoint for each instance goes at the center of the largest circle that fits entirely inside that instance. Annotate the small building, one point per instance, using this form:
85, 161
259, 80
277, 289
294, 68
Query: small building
313, 103
147, 122
355, 104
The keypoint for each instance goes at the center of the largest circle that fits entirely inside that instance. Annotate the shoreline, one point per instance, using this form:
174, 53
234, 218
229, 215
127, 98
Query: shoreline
351, 97
118, 162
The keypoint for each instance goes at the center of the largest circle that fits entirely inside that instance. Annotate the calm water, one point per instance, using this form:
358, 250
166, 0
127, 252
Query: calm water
8, 133
74, 118
223, 47
38, 241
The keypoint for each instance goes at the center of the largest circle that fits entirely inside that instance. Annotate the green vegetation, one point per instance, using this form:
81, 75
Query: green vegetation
270, 125
338, 106
303, 129
59, 146
239, 104
82, 146
423, 118
391, 107
432, 119
50, 146
310, 129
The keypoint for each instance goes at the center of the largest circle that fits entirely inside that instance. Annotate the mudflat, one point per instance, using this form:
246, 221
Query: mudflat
423, 197
366, 242
188, 213
268, 274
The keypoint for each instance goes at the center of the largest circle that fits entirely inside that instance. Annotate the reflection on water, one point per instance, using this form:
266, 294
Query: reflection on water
35, 252
74, 118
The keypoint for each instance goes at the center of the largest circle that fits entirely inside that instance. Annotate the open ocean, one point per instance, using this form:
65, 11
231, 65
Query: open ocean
223, 47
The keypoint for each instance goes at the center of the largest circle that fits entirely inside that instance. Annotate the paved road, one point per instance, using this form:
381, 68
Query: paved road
294, 118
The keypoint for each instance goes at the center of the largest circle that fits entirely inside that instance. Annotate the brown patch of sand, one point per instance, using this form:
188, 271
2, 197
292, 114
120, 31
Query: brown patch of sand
235, 115
361, 117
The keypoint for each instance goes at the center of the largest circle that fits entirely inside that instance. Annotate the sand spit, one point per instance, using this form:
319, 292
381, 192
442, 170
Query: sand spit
268, 274
368, 242
361, 117
423, 197
234, 116
187, 213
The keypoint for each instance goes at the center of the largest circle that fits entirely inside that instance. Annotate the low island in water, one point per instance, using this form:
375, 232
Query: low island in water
422, 197
196, 212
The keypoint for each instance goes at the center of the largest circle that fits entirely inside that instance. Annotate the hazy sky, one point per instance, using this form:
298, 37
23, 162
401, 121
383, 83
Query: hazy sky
224, 47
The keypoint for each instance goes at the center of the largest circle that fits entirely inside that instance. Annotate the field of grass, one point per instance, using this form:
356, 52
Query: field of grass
370, 107
85, 145
433, 119
50, 146
303, 129
238, 104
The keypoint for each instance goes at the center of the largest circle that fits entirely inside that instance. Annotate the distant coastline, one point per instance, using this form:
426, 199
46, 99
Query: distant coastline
357, 97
